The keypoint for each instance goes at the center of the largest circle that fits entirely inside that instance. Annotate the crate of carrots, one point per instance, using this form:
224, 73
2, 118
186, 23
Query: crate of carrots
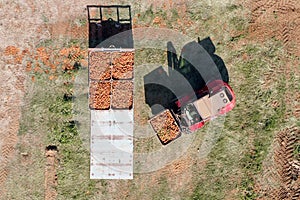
165, 126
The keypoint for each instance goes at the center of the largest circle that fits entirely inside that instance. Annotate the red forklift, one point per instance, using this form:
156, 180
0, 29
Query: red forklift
210, 95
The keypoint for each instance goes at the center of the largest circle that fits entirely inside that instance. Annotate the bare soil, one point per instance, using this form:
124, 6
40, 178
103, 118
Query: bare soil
51, 174
276, 19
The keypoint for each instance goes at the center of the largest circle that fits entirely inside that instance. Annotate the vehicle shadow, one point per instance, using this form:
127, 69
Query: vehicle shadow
158, 90
196, 66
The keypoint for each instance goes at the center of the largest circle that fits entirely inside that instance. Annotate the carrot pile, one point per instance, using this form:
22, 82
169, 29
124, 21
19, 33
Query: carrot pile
123, 66
99, 66
122, 94
100, 95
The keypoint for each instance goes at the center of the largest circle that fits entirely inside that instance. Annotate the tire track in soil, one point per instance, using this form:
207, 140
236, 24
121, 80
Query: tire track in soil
286, 165
280, 179
51, 173
12, 91
286, 36
280, 175
285, 6
258, 8
270, 18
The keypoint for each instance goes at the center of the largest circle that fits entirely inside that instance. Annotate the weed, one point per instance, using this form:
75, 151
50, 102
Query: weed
148, 16
81, 22
238, 22
75, 42
74, 157
232, 7
45, 18
260, 118
297, 151
45, 43
163, 190
175, 14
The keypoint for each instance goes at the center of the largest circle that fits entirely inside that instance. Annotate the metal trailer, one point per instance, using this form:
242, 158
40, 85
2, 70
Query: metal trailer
111, 148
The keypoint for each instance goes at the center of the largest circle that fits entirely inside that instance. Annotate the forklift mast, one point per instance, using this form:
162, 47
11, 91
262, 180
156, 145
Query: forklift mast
113, 22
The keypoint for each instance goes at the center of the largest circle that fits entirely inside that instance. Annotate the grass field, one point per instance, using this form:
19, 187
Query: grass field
237, 151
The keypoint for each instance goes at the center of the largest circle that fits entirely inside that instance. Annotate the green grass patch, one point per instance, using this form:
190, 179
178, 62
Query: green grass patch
73, 174
150, 56
257, 115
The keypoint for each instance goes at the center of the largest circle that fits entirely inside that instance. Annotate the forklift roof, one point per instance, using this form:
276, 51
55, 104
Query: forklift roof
210, 106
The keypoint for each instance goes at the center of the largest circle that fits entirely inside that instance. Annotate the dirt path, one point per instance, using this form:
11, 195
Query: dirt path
12, 76
12, 82
50, 173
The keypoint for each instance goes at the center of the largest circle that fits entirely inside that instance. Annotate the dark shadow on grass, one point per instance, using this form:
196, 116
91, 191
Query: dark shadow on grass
158, 90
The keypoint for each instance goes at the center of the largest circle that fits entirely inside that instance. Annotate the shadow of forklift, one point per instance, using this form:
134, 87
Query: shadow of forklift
199, 75
108, 21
